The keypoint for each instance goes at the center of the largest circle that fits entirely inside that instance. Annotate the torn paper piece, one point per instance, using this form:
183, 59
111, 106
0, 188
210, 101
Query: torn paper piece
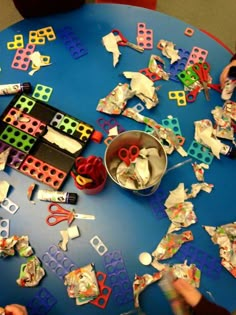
31, 273
18, 243
196, 188
143, 88
110, 43
225, 237
199, 170
3, 158
113, 132
170, 244
140, 283
223, 127
65, 239
38, 61
168, 50
181, 215
30, 191
82, 284
189, 273
176, 196
204, 134
155, 68
116, 100
73, 232
4, 187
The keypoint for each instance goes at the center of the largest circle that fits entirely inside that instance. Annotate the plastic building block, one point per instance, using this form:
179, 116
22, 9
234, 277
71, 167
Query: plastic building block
9, 206
118, 277
41, 303
210, 266
157, 201
106, 125
144, 36
179, 65
47, 32
188, 76
24, 104
22, 60
83, 131
189, 32
4, 227
105, 291
17, 43
196, 55
151, 75
68, 124
72, 42
200, 152
42, 172
55, 122
98, 245
179, 96
15, 157
173, 124
35, 39
58, 262
42, 92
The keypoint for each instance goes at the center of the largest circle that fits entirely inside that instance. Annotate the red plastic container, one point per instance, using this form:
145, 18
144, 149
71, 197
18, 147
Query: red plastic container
148, 4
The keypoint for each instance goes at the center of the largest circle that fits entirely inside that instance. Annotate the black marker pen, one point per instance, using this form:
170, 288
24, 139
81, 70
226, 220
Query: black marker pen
7, 89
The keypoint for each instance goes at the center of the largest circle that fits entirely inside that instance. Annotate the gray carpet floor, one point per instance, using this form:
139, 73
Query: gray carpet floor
215, 16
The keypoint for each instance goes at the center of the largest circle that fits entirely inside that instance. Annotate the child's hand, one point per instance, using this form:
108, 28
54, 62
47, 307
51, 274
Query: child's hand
191, 295
15, 309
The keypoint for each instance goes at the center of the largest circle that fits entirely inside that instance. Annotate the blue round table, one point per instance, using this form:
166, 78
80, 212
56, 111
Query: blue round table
124, 221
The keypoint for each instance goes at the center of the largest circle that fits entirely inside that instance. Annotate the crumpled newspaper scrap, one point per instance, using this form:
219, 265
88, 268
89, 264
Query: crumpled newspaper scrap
223, 123
8, 246
31, 273
4, 187
170, 244
116, 100
82, 284
168, 50
3, 158
160, 132
143, 88
140, 283
229, 108
225, 237
110, 42
154, 67
199, 170
142, 172
38, 61
204, 134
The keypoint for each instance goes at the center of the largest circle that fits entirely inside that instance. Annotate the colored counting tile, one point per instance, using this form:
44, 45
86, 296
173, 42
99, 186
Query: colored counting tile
17, 43
24, 122
22, 60
189, 32
188, 76
197, 55
157, 201
179, 96
84, 131
68, 125
173, 124
179, 65
58, 262
4, 227
208, 265
106, 125
151, 75
41, 303
200, 152
105, 291
35, 39
15, 157
144, 36
118, 277
47, 32
17, 138
42, 172
42, 92
72, 42
24, 104
57, 119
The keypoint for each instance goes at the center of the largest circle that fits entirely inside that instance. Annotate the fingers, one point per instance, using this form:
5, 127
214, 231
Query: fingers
191, 295
15, 309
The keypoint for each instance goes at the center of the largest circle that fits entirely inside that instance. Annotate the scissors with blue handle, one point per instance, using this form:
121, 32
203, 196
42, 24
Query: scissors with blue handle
128, 155
59, 214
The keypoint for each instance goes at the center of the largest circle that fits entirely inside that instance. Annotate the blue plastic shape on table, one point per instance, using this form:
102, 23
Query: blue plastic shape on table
200, 152
179, 65
157, 201
41, 303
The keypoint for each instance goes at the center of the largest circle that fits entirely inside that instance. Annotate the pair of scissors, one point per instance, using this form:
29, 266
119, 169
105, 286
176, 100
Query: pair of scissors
89, 167
128, 155
202, 70
59, 214
122, 41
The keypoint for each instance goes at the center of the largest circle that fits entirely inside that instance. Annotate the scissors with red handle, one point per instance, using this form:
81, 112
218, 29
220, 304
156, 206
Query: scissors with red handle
124, 41
128, 155
90, 167
59, 214
202, 70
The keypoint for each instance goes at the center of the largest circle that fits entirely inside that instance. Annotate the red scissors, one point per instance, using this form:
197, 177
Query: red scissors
124, 41
90, 167
202, 70
59, 214
129, 155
